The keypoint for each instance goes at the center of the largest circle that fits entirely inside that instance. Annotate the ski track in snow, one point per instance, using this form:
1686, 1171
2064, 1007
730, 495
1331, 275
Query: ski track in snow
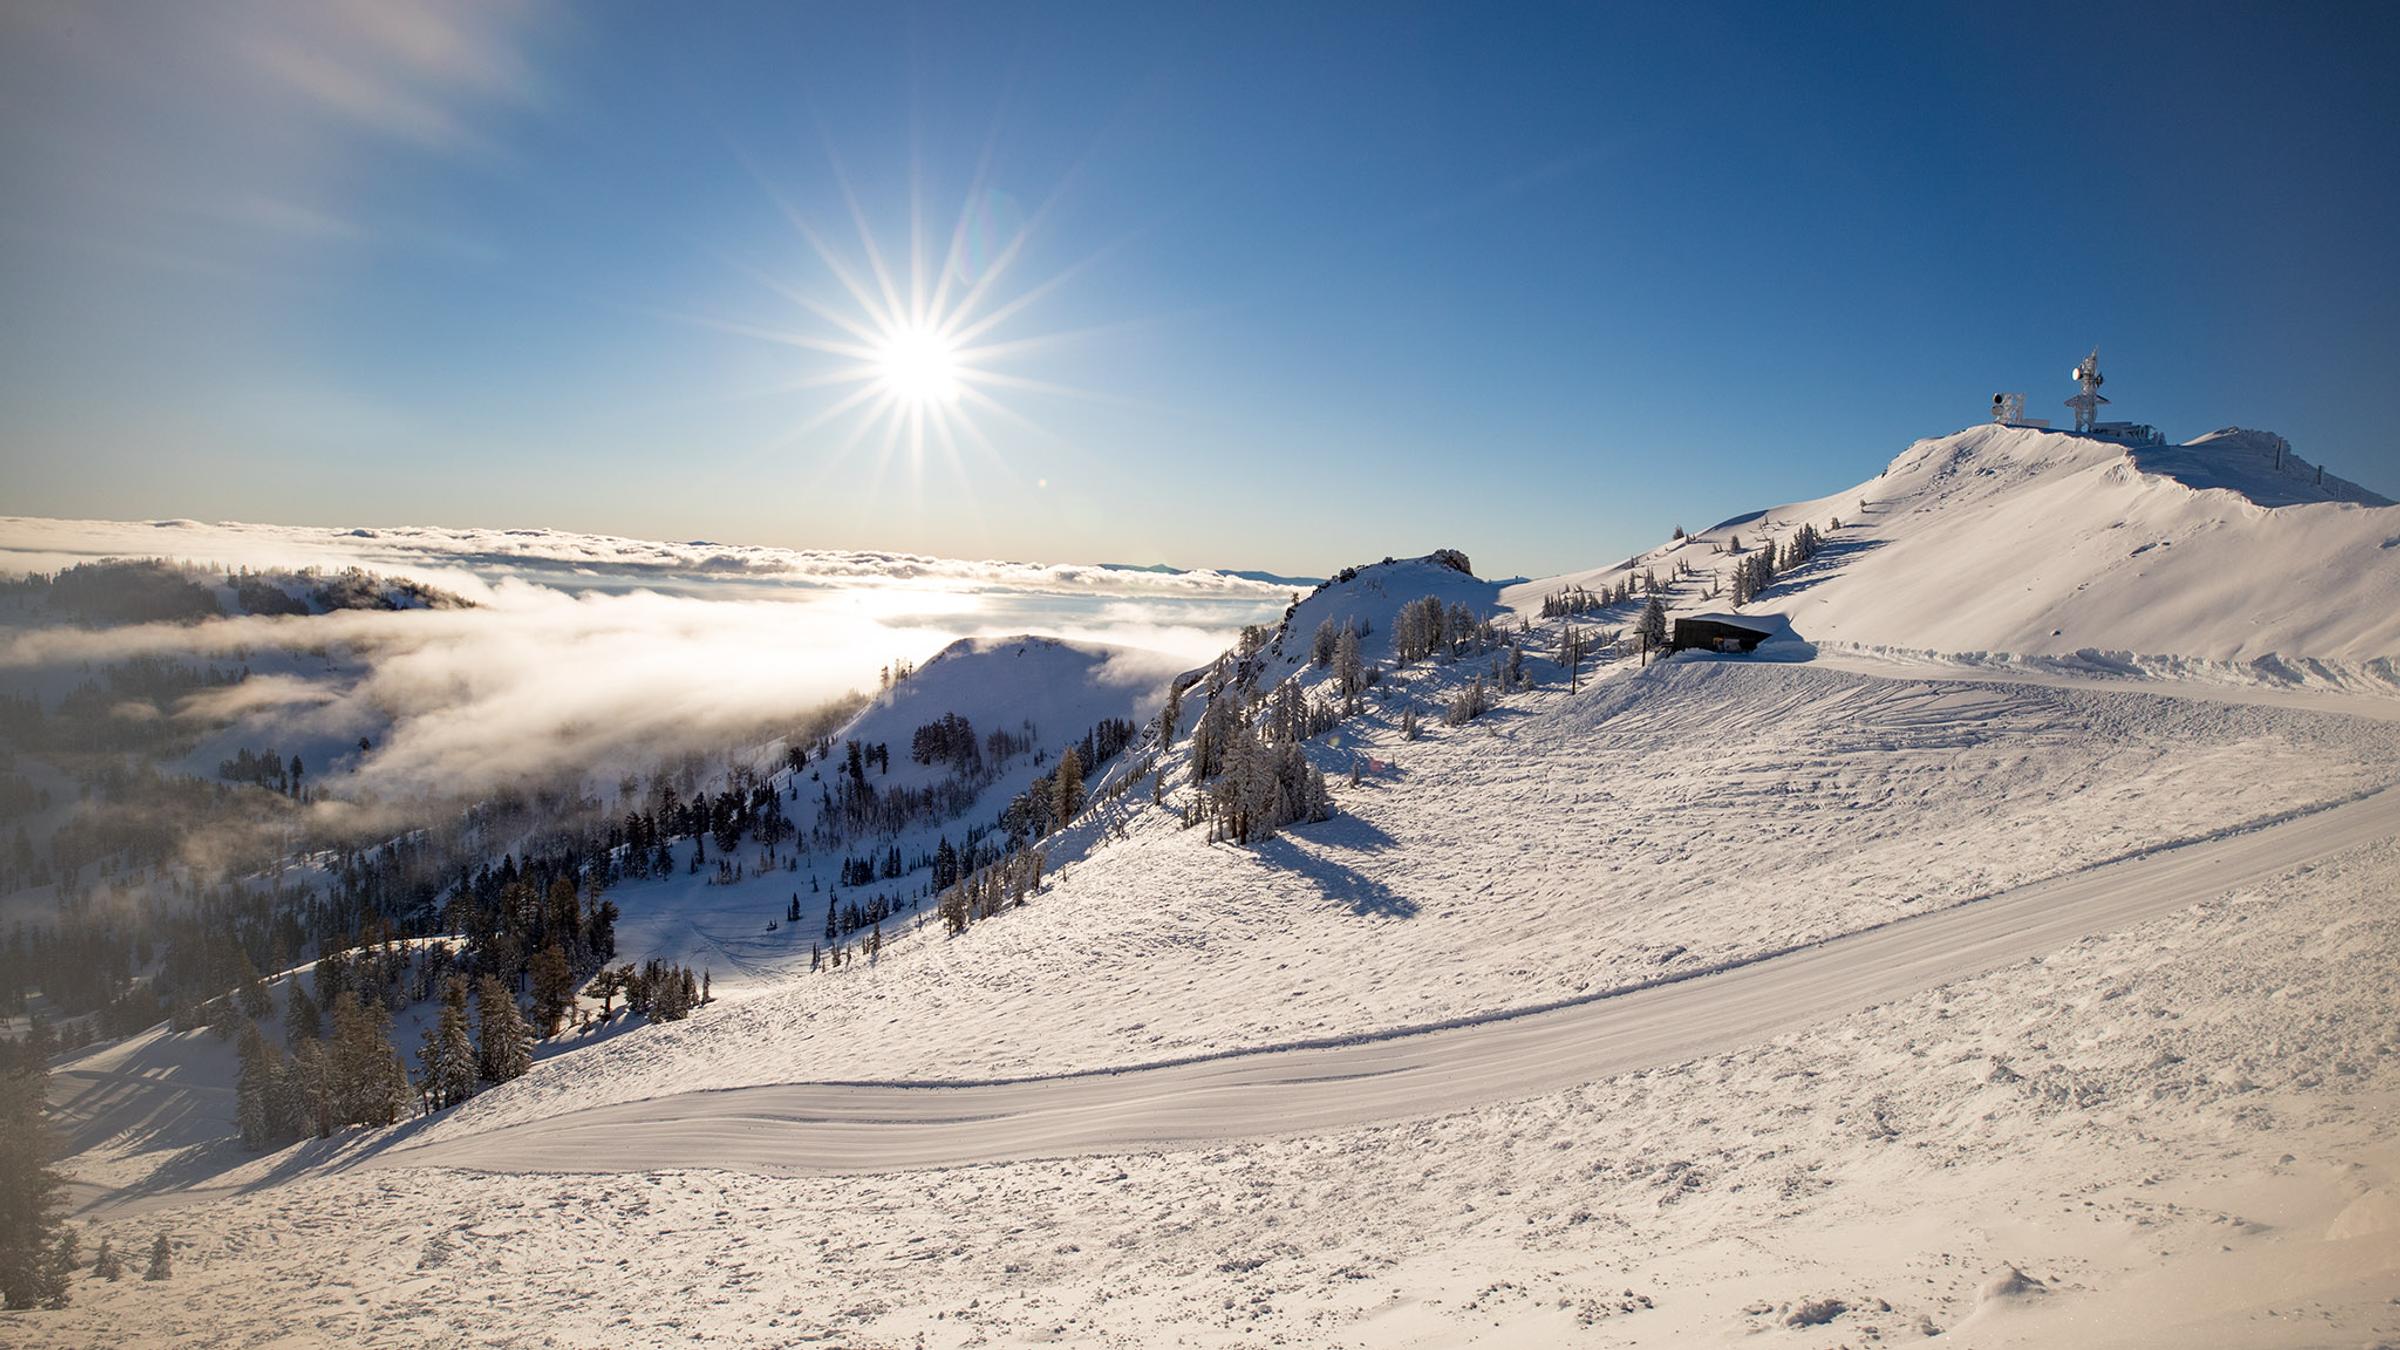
869, 1128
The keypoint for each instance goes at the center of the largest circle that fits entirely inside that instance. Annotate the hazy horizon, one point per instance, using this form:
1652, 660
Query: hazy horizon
1234, 287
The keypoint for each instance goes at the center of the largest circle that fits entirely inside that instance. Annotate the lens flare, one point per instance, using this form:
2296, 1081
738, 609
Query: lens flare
918, 365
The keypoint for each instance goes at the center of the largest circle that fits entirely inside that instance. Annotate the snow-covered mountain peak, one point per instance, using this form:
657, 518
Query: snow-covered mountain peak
2029, 541
2259, 465
1059, 685
2032, 542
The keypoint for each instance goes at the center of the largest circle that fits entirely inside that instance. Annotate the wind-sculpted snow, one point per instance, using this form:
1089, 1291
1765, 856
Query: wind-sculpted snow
2259, 465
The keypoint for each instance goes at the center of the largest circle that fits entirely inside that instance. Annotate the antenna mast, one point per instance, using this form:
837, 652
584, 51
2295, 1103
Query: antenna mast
2087, 404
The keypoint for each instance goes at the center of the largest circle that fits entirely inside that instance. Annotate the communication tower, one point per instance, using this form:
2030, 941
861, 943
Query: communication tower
2087, 404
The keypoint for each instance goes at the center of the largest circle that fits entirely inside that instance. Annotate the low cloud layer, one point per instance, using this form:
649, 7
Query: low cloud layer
662, 648
470, 559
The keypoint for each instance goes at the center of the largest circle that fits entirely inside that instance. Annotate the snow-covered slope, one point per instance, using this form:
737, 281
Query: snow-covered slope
1369, 598
1047, 690
2041, 543
2259, 465
1060, 688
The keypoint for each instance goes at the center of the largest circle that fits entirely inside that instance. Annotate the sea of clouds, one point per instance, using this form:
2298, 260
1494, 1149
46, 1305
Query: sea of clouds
583, 654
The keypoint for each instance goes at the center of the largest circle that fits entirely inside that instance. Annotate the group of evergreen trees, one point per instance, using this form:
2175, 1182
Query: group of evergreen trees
948, 739
1758, 570
342, 1068
989, 890
1427, 627
1251, 773
664, 992
352, 1077
264, 769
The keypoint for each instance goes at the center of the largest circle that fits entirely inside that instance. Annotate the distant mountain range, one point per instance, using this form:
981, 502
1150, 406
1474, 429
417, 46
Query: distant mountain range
1269, 578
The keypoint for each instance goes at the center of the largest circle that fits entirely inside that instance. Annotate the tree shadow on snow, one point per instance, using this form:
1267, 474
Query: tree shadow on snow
1351, 833
1344, 885
1831, 557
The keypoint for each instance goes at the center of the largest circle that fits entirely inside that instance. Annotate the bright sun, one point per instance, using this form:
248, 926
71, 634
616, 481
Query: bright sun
918, 365
919, 362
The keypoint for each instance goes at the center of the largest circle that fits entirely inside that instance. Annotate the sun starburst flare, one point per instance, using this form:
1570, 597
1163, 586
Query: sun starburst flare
921, 349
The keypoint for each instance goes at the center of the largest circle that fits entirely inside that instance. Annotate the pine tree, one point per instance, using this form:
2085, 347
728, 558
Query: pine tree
1068, 786
1472, 702
448, 1067
253, 1090
57, 1270
255, 1000
1322, 643
310, 1088
1653, 626
368, 1083
162, 1252
553, 990
505, 1048
1349, 670
1170, 717
29, 1199
300, 1017
107, 1265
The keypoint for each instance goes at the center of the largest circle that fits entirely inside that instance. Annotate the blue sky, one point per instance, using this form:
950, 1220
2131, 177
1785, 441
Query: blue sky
1302, 285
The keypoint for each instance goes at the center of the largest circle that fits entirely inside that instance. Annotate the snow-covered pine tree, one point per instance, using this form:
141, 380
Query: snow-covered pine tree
1349, 669
162, 1252
1470, 703
369, 1085
452, 1073
309, 1077
1321, 644
1652, 628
